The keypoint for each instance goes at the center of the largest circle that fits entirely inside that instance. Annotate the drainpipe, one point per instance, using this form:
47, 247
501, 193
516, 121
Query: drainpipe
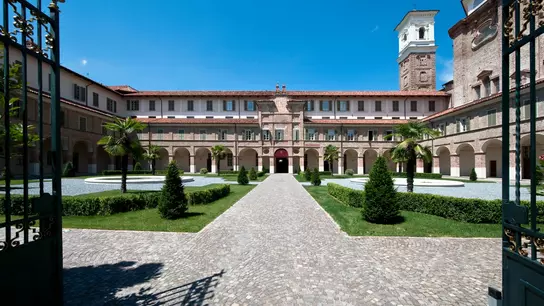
239, 110
405, 108
342, 147
236, 145
161, 107
87, 93
334, 107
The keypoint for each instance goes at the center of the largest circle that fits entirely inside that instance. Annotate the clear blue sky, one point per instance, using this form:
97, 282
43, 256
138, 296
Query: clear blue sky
245, 44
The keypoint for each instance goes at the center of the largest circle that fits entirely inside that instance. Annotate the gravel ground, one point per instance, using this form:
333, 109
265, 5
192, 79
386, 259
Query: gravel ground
485, 191
72, 187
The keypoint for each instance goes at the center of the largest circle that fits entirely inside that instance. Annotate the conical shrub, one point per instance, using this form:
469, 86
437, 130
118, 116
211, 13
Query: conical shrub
380, 204
173, 202
242, 176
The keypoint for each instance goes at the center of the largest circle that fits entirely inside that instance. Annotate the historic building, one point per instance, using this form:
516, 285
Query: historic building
284, 130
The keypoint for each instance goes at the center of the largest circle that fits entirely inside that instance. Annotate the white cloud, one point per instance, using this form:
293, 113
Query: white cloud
376, 28
84, 62
445, 69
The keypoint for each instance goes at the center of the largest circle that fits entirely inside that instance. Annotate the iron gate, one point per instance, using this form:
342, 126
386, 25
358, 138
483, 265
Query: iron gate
30, 226
523, 242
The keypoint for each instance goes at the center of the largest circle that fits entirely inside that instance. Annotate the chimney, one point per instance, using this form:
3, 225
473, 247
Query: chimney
277, 87
283, 91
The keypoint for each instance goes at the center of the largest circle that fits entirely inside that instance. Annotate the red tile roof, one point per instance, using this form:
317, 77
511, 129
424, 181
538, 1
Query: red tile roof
396, 93
269, 93
206, 93
197, 121
356, 121
123, 89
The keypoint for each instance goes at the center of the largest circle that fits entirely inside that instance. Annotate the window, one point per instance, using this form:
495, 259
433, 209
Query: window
96, 102
496, 85
389, 138
361, 106
413, 106
477, 92
79, 93
249, 135
296, 134
223, 135
351, 135
331, 135
491, 117
310, 105
395, 106
311, 134
372, 135
421, 33
202, 134
463, 125
135, 105
159, 133
190, 105
432, 106
229, 106
378, 106
442, 129
111, 105
152, 105
171, 105
249, 106
229, 160
209, 106
266, 135
343, 106
487, 87
83, 124
279, 134
325, 106
181, 134
527, 109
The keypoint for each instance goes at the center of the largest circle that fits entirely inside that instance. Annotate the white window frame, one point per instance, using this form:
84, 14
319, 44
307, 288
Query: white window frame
249, 135
328, 109
266, 135
181, 134
296, 134
223, 134
312, 136
252, 108
231, 108
351, 137
279, 134
310, 106
343, 106
331, 137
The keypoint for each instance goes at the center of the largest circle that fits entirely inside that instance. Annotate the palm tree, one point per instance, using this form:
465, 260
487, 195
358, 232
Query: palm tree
122, 143
330, 155
152, 155
218, 153
409, 149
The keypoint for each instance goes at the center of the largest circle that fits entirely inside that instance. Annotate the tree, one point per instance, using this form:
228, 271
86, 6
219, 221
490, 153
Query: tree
172, 202
409, 149
122, 142
330, 155
152, 155
307, 174
218, 153
380, 205
316, 180
137, 166
242, 176
473, 177
252, 174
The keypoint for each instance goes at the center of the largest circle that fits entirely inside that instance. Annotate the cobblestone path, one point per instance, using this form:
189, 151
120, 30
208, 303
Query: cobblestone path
276, 246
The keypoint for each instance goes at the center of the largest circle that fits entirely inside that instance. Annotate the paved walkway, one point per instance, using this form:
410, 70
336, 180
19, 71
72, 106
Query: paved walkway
276, 246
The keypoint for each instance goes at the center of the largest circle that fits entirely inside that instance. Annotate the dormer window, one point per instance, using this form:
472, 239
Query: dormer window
421, 33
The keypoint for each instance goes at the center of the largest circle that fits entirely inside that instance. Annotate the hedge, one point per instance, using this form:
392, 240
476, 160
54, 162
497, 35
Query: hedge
418, 175
136, 172
108, 205
458, 209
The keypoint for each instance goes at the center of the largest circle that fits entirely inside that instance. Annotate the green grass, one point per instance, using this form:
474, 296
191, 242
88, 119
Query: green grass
197, 217
415, 224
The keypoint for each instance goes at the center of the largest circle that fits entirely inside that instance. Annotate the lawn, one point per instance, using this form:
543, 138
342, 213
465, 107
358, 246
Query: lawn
197, 217
415, 224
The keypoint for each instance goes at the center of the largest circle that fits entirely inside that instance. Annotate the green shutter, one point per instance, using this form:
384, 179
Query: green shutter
224, 105
321, 105
347, 105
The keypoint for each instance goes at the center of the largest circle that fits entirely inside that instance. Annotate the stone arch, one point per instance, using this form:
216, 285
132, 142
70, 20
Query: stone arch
350, 160
391, 165
369, 158
103, 159
227, 163
467, 160
526, 153
81, 157
203, 159
311, 159
183, 159
162, 162
444, 160
248, 158
492, 149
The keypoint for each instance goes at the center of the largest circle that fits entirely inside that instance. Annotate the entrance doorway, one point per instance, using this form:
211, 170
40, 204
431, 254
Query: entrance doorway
75, 161
492, 168
209, 162
282, 161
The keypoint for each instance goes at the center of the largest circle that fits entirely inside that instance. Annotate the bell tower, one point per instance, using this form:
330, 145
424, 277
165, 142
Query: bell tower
417, 51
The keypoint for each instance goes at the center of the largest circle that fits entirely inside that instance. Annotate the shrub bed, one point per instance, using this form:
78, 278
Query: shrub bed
418, 175
458, 209
103, 206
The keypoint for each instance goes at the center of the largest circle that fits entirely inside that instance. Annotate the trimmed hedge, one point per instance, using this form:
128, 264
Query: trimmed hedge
118, 172
418, 175
458, 209
260, 174
108, 205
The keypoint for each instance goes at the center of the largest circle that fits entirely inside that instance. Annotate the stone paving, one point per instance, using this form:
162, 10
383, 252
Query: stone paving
276, 246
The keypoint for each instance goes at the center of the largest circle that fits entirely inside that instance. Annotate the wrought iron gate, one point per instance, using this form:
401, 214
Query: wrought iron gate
30, 226
523, 242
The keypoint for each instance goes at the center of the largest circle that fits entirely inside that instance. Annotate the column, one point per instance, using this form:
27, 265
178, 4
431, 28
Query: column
192, 163
512, 165
419, 166
301, 163
454, 164
91, 166
361, 165
436, 164
272, 164
340, 165
214, 166
479, 165
235, 163
290, 166
321, 166
259, 163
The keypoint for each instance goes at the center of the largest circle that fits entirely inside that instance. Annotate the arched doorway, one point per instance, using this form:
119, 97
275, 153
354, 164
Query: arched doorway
311, 159
282, 161
466, 159
203, 160
162, 162
444, 160
370, 157
183, 159
102, 159
350, 160
526, 153
248, 158
493, 157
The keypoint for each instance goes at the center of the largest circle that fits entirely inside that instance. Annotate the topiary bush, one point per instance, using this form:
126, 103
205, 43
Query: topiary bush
307, 174
208, 195
252, 174
380, 205
68, 170
316, 180
242, 177
203, 171
137, 166
348, 196
173, 202
473, 176
260, 174
349, 172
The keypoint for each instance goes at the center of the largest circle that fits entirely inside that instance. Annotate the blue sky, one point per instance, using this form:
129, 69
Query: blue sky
245, 44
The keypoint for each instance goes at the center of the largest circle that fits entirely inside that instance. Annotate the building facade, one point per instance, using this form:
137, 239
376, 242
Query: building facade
284, 130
